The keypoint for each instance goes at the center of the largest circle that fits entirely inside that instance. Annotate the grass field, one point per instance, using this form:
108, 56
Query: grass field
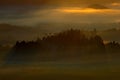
52, 72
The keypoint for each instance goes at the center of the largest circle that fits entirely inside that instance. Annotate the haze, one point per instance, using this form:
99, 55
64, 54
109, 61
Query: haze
32, 13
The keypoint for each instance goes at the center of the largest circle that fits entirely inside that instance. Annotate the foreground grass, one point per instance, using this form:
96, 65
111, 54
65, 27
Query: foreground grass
60, 73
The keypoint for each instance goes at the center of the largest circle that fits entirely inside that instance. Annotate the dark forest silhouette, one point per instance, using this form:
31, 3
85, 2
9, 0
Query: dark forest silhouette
64, 45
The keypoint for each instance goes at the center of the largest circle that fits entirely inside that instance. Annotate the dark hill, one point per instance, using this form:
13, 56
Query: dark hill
67, 45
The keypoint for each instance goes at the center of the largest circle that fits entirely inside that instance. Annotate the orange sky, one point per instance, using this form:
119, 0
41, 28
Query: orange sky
84, 11
54, 2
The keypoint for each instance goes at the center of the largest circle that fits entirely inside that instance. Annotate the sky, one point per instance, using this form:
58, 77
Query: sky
34, 12
55, 2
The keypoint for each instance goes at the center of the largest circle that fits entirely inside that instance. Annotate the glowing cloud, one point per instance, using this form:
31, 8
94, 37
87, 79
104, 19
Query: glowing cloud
115, 4
85, 10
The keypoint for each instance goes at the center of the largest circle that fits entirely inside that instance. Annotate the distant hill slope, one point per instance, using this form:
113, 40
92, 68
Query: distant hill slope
66, 45
110, 35
9, 34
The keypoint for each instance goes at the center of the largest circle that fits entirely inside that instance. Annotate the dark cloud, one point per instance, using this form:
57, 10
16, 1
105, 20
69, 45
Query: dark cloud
16, 12
32, 15
97, 6
55, 2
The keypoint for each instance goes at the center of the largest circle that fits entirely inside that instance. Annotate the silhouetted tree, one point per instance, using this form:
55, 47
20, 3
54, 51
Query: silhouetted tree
66, 44
113, 47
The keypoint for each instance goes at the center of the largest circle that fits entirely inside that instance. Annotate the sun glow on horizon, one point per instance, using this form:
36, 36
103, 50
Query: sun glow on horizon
84, 10
115, 4
81, 10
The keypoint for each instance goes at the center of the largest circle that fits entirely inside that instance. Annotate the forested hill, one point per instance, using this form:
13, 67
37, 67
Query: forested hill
9, 34
70, 44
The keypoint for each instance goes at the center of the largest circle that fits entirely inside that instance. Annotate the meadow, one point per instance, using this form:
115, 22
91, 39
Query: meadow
60, 71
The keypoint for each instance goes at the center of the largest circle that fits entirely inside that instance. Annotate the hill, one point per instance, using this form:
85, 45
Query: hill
66, 45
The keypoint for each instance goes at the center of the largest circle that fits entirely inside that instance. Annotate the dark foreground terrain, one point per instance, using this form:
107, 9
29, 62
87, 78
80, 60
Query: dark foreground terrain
54, 71
68, 55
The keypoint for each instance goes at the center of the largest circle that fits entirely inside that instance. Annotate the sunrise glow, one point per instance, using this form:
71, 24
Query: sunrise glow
86, 10
115, 4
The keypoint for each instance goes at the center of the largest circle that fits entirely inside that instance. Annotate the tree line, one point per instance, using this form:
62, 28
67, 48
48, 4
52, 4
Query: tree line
69, 43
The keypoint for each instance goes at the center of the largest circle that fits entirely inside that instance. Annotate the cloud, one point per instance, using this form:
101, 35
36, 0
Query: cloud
97, 6
34, 15
56, 2
18, 12
115, 5
56, 16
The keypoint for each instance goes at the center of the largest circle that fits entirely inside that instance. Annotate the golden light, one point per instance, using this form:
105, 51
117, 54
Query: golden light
80, 10
84, 10
115, 4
